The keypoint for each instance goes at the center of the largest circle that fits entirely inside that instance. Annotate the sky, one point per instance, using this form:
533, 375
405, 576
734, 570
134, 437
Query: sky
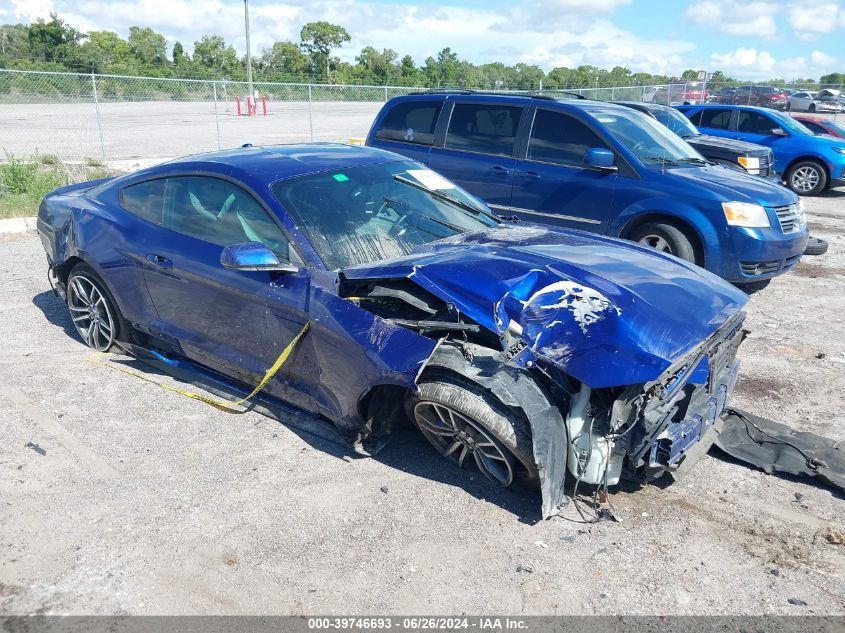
757, 39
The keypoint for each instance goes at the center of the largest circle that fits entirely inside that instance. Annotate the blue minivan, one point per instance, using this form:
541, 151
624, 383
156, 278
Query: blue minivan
603, 168
808, 163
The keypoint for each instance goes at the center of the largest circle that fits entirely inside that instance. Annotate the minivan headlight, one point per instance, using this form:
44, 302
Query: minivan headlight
745, 214
802, 216
749, 162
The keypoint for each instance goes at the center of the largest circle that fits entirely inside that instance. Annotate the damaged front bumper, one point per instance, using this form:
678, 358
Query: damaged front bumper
603, 435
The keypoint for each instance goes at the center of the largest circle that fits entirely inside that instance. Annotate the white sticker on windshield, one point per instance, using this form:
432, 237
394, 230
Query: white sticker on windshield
430, 179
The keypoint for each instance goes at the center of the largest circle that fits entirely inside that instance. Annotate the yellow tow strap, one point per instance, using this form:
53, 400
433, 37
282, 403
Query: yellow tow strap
219, 404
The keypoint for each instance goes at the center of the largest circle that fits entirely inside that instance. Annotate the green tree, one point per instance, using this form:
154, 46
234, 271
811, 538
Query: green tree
285, 59
147, 46
178, 53
211, 51
443, 71
378, 67
14, 42
104, 51
52, 41
833, 78
319, 39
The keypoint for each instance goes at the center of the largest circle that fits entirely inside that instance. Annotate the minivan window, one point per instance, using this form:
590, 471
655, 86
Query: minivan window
487, 129
715, 118
411, 122
561, 139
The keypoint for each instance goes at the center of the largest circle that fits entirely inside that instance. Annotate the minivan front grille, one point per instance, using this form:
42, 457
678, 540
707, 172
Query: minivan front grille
790, 218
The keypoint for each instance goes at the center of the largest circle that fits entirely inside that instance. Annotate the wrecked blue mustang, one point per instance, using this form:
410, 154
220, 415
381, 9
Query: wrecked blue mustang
524, 351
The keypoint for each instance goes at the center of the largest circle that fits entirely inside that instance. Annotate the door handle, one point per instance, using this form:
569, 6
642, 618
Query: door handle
159, 261
529, 175
499, 172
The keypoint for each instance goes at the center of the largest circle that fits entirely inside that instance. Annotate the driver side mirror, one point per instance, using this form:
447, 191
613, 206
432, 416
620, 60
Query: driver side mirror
600, 158
777, 131
252, 256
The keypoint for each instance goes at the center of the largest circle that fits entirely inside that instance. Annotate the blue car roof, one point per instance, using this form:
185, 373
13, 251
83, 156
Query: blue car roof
279, 162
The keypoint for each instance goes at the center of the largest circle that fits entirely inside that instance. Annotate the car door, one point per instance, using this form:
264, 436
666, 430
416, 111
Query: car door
714, 121
235, 322
800, 101
478, 150
552, 185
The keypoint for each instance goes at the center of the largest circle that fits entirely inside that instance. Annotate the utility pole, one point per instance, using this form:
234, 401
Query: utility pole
248, 51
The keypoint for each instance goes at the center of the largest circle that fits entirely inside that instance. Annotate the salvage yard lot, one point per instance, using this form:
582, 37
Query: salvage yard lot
119, 497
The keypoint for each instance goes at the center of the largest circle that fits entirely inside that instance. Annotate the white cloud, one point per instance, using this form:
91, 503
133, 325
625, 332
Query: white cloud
750, 20
749, 63
812, 19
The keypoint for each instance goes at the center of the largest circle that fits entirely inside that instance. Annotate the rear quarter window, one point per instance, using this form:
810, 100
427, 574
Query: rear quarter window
410, 122
145, 199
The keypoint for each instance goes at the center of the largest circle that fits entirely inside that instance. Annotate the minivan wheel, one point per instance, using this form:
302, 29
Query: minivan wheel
471, 428
812, 107
807, 178
666, 238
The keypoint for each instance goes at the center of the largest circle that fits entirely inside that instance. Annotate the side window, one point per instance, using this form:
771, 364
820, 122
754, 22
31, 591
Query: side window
411, 122
715, 118
488, 129
695, 118
561, 139
144, 199
755, 123
815, 128
219, 212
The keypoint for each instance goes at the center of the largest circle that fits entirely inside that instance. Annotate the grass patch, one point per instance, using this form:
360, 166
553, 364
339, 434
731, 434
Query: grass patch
94, 162
23, 183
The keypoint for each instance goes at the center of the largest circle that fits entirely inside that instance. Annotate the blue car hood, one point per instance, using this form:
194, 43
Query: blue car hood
605, 311
736, 186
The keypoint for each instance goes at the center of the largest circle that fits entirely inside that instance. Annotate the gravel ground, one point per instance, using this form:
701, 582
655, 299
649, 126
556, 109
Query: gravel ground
145, 502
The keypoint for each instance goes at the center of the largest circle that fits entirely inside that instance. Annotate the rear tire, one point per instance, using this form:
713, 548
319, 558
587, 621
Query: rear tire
93, 311
812, 107
470, 427
807, 178
666, 238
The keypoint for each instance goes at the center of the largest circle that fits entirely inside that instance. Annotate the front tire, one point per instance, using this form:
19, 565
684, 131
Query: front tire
92, 310
807, 178
666, 238
471, 428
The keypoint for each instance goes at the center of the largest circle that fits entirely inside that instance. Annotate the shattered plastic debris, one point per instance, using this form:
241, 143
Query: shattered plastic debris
36, 448
775, 447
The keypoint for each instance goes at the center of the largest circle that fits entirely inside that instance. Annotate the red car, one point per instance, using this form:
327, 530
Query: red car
682, 93
821, 125
764, 96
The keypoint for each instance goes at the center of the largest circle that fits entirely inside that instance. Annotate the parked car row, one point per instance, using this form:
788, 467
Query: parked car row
808, 163
603, 168
822, 101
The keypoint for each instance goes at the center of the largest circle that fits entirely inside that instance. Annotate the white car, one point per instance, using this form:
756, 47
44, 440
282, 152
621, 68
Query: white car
809, 101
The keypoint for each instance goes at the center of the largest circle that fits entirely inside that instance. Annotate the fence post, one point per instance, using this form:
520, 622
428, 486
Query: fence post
99, 124
612, 93
642, 94
216, 118
310, 117
385, 94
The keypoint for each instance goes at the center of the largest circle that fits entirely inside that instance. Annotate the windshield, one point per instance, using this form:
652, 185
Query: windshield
647, 139
364, 214
789, 123
676, 122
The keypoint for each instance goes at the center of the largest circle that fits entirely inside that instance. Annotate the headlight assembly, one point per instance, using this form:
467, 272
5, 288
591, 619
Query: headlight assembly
745, 214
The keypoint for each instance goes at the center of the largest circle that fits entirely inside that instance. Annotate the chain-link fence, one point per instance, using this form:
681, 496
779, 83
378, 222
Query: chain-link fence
110, 117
